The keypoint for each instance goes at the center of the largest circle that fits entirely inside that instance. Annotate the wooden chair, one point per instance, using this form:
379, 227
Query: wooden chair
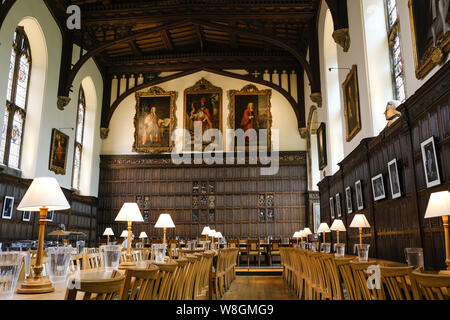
92, 261
76, 263
104, 289
201, 286
345, 271
396, 280
243, 244
189, 279
166, 279
140, 284
137, 255
253, 250
274, 249
430, 286
179, 279
332, 272
219, 274
363, 292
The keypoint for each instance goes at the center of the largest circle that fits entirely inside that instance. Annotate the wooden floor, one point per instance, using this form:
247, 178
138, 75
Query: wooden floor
259, 288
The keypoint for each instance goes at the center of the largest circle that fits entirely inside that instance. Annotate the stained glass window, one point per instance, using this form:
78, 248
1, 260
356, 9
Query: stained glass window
393, 25
79, 133
16, 100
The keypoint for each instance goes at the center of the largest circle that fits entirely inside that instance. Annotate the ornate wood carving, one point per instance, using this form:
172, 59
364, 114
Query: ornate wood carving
342, 38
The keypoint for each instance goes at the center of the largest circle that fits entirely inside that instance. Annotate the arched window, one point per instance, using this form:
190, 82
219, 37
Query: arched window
393, 27
79, 133
16, 100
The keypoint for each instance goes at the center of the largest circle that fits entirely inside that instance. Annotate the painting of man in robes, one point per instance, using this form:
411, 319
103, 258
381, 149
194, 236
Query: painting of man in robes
351, 104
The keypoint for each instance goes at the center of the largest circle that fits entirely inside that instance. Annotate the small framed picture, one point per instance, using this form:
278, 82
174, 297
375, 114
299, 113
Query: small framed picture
332, 208
338, 205
348, 198
359, 195
26, 216
50, 215
139, 201
262, 214
270, 215
378, 188
8, 206
430, 163
396, 191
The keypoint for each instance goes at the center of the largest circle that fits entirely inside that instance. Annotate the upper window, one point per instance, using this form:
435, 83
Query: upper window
13, 123
79, 133
393, 27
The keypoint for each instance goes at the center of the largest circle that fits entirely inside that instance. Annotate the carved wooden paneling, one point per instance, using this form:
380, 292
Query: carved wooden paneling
237, 187
399, 223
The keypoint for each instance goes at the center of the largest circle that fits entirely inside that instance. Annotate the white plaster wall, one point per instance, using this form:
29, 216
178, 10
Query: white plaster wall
42, 114
121, 135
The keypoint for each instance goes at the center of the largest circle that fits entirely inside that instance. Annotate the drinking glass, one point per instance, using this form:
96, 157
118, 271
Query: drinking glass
340, 250
11, 264
58, 263
80, 246
139, 245
325, 247
363, 252
414, 257
313, 246
111, 256
160, 251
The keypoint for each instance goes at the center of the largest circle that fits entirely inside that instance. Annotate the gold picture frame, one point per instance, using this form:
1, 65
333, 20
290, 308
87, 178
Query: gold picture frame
239, 100
202, 102
351, 104
427, 54
154, 121
58, 152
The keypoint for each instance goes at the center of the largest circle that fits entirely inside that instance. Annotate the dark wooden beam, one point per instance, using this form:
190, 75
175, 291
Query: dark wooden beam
167, 42
137, 52
200, 37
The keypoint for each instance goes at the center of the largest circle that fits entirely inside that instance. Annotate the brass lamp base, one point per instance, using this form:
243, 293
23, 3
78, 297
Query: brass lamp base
31, 286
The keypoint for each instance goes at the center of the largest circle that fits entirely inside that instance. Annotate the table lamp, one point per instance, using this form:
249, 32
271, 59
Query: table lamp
218, 236
164, 221
296, 235
324, 228
205, 232
143, 236
44, 194
439, 206
129, 213
212, 234
108, 232
306, 233
124, 234
359, 221
301, 237
338, 226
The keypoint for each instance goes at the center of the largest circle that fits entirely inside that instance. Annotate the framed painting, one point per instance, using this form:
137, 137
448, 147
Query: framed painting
378, 188
351, 104
58, 152
333, 216
8, 206
316, 212
359, 195
430, 163
251, 109
154, 121
26, 216
50, 214
394, 180
322, 145
348, 199
338, 205
430, 33
202, 105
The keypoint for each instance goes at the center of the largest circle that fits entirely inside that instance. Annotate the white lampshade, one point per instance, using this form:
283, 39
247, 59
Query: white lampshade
323, 228
306, 232
124, 234
338, 225
360, 221
297, 234
44, 192
438, 205
143, 235
130, 212
108, 232
218, 235
212, 233
205, 231
164, 221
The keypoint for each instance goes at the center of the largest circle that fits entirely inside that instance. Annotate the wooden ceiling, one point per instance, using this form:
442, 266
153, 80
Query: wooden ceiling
144, 35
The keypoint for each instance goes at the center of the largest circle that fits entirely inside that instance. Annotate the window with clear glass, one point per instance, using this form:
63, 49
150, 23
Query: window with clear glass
13, 123
79, 133
393, 27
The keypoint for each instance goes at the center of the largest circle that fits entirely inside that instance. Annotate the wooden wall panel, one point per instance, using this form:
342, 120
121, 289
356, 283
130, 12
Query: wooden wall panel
237, 187
399, 223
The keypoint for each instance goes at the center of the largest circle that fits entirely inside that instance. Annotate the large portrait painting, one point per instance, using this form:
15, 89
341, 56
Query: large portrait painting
322, 146
351, 104
203, 103
58, 152
154, 121
430, 33
250, 109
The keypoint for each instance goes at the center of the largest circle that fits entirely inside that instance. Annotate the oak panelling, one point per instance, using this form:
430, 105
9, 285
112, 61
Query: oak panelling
236, 193
399, 223
81, 217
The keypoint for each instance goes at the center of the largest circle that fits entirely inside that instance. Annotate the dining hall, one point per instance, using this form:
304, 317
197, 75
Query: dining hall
225, 150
